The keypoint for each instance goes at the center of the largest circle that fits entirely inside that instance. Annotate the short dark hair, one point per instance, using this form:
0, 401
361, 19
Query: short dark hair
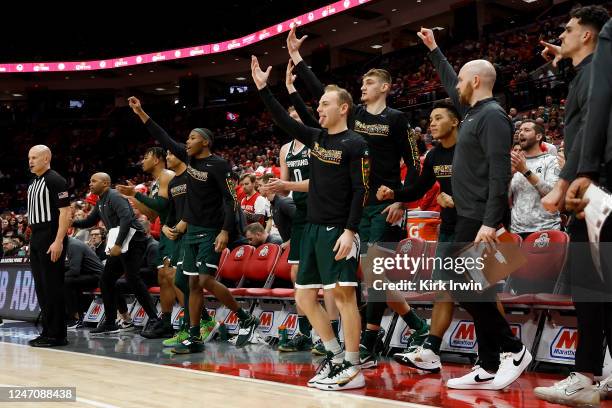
539, 129
449, 106
206, 134
250, 176
158, 152
266, 177
592, 16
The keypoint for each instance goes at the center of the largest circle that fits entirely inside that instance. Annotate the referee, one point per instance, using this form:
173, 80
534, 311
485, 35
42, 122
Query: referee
49, 218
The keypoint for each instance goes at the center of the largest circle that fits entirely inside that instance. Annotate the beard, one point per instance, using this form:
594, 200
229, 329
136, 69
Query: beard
465, 96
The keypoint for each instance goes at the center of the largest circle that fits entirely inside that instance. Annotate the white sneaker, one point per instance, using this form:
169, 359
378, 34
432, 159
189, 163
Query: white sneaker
477, 379
322, 371
511, 367
126, 327
576, 389
421, 359
343, 376
605, 388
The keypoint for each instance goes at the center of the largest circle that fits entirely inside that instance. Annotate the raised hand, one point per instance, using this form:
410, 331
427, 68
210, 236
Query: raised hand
290, 77
259, 77
294, 43
551, 51
135, 104
427, 36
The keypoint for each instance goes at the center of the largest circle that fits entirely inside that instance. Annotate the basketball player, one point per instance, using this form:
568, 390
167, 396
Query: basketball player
339, 172
389, 138
438, 166
154, 163
294, 162
210, 193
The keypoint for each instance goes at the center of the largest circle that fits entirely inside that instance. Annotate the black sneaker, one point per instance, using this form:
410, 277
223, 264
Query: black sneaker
158, 330
37, 340
75, 324
191, 345
299, 342
247, 328
104, 329
50, 342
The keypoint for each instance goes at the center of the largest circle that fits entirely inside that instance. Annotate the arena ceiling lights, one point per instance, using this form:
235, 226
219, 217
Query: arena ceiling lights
181, 53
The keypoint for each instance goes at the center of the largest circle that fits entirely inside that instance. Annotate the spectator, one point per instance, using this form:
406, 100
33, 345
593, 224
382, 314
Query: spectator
257, 235
255, 207
9, 247
97, 242
535, 174
83, 272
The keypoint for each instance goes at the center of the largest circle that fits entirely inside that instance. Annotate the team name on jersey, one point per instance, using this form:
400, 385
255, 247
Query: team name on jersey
443, 170
297, 163
178, 190
327, 156
376, 129
197, 174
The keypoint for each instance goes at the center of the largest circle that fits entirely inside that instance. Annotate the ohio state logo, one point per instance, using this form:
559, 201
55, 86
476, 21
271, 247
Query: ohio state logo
240, 252
542, 241
264, 251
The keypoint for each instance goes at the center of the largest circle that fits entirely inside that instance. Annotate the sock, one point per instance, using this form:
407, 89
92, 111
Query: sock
194, 331
335, 348
352, 357
304, 325
242, 315
166, 318
413, 320
369, 339
433, 343
205, 316
335, 324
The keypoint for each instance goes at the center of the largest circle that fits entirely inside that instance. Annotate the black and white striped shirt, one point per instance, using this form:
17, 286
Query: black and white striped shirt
46, 195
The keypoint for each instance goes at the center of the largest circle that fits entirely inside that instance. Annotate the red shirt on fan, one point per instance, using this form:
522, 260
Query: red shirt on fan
255, 205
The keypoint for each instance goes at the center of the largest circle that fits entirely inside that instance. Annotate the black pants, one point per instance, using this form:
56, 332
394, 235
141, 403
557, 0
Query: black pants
128, 264
591, 296
73, 289
49, 281
493, 332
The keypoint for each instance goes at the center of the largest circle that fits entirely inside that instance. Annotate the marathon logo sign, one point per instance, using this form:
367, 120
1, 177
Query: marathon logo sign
290, 323
406, 333
95, 311
266, 321
139, 316
464, 335
564, 344
231, 321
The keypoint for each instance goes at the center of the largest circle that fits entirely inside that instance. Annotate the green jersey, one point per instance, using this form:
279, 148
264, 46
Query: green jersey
297, 163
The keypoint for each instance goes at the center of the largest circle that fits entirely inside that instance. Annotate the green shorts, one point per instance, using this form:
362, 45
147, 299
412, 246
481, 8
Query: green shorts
199, 256
373, 227
444, 249
318, 268
177, 254
166, 250
297, 230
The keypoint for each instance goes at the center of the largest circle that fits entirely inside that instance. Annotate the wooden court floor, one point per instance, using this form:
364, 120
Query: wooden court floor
107, 382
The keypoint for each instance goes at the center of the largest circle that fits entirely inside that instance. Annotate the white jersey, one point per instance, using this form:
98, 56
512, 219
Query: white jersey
528, 214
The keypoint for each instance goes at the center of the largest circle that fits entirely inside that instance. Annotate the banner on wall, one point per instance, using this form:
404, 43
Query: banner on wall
17, 291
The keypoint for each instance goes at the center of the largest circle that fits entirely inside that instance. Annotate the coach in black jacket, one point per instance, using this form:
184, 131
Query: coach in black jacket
115, 211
